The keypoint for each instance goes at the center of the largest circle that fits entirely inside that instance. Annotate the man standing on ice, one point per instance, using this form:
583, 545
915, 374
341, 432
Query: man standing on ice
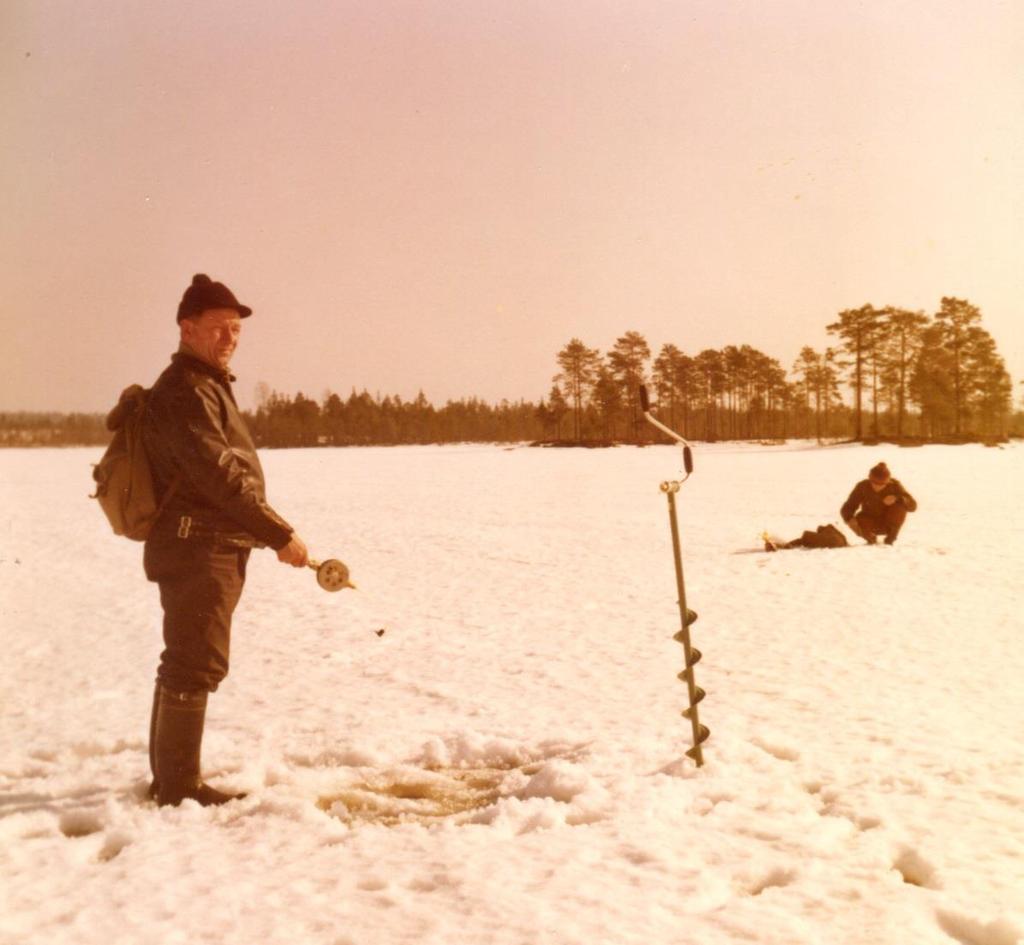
204, 463
877, 506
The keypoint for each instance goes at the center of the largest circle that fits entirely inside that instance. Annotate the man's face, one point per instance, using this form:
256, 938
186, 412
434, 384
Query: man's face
877, 485
213, 335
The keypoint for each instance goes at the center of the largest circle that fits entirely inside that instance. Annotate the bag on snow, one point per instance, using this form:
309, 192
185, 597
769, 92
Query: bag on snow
826, 536
124, 481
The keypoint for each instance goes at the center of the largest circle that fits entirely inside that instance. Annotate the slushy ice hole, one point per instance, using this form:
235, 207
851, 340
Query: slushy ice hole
419, 795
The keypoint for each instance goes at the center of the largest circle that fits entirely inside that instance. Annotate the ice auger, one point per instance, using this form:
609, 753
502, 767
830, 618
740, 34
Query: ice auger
686, 616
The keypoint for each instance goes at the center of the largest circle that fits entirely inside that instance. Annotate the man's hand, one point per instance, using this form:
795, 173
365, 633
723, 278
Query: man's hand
294, 553
854, 526
889, 500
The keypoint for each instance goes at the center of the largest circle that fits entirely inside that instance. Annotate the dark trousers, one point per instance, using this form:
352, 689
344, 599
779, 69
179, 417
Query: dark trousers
889, 524
200, 585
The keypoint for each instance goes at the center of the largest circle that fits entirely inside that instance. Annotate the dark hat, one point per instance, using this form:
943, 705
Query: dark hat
880, 473
204, 293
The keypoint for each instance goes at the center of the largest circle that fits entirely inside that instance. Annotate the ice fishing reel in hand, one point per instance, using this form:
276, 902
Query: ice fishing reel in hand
332, 574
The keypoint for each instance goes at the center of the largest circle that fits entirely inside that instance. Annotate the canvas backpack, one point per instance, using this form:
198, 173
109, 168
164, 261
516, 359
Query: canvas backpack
124, 482
826, 536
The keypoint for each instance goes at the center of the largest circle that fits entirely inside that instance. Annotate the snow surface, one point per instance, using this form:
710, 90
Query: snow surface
506, 763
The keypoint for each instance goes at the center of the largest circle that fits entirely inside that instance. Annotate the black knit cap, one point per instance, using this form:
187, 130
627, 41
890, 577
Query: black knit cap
880, 473
204, 293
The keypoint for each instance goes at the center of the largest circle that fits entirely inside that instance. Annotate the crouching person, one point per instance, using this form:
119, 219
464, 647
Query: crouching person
877, 506
215, 512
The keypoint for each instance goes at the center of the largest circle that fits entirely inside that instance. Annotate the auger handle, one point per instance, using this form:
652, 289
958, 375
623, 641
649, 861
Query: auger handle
645, 406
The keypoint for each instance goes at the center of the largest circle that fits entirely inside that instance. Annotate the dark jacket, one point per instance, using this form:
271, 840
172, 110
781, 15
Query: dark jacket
865, 500
195, 435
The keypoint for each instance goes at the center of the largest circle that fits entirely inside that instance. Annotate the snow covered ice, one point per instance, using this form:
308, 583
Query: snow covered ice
506, 763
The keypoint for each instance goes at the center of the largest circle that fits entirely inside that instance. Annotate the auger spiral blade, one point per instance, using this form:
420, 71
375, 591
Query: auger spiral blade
695, 654
695, 753
698, 697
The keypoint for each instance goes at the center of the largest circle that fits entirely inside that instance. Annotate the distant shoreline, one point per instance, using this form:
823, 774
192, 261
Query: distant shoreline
907, 442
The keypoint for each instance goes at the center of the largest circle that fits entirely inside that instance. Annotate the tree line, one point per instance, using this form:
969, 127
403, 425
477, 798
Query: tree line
364, 420
910, 376
39, 428
281, 420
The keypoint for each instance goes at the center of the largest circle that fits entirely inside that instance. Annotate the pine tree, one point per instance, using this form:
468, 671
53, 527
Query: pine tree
903, 340
857, 329
607, 398
959, 380
827, 396
579, 372
710, 383
557, 409
626, 360
672, 381
333, 413
931, 382
989, 388
805, 368
959, 322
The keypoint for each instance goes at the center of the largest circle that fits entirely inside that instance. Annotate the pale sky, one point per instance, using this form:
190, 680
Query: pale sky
440, 194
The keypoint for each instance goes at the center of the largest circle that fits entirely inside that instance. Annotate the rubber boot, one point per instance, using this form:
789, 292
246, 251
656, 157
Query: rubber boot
861, 526
154, 785
179, 737
895, 516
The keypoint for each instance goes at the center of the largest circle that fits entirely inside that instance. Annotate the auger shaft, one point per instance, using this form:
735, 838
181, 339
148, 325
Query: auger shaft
686, 617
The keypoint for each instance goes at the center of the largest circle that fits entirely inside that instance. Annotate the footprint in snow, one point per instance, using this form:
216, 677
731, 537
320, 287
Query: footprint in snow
782, 752
113, 844
80, 823
776, 879
970, 931
77, 824
916, 870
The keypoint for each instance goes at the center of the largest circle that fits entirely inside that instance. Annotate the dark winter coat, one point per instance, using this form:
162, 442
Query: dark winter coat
195, 434
864, 500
